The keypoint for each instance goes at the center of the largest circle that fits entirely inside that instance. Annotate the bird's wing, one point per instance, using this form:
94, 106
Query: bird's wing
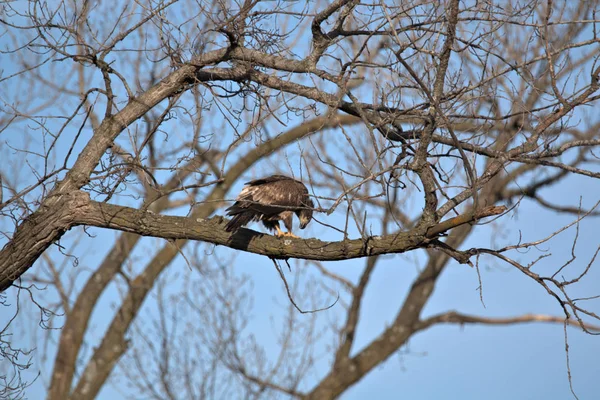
273, 197
268, 179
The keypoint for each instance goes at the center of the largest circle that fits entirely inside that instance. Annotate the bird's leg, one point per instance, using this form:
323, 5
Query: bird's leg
290, 234
279, 233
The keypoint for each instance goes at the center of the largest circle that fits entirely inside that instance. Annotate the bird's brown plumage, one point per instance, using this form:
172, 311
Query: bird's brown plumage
270, 200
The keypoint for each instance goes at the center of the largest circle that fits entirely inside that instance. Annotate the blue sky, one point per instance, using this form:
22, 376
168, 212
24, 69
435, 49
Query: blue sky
470, 362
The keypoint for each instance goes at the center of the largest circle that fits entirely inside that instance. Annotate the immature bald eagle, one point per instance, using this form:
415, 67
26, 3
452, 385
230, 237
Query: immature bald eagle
270, 200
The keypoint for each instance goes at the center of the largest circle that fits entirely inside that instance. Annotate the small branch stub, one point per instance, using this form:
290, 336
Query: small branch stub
464, 219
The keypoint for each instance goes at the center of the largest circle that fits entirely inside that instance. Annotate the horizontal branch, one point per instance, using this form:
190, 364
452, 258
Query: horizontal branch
77, 209
452, 317
212, 230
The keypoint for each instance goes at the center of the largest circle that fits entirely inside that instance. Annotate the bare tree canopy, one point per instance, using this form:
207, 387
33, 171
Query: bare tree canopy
456, 136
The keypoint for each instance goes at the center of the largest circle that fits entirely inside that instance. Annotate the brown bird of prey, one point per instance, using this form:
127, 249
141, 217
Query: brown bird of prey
270, 200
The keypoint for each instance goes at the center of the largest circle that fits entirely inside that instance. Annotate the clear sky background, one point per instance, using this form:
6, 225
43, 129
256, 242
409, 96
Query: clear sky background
445, 362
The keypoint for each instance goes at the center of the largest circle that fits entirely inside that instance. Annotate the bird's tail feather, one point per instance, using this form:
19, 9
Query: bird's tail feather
238, 221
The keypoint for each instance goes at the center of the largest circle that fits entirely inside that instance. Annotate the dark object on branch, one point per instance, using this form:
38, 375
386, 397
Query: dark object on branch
270, 200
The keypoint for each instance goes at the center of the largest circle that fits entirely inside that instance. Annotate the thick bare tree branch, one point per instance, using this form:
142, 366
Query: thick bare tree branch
412, 124
212, 231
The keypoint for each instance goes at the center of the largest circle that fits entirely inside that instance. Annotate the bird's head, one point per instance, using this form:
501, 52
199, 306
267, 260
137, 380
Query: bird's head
305, 214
